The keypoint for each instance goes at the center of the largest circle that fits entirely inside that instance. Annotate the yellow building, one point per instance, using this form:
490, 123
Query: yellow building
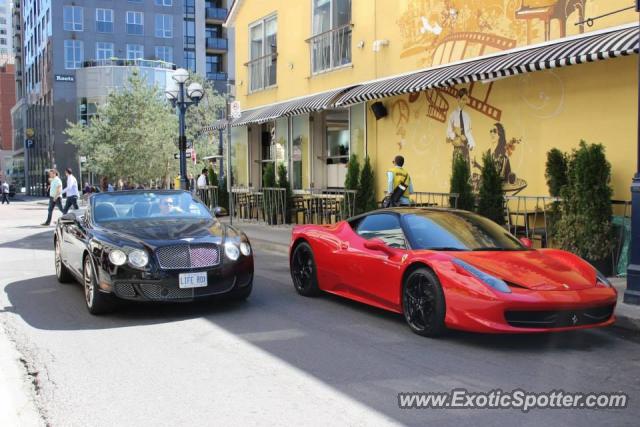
309, 71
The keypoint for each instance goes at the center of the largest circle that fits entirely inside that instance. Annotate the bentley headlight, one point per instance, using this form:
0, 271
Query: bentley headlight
138, 258
494, 282
231, 251
117, 257
245, 248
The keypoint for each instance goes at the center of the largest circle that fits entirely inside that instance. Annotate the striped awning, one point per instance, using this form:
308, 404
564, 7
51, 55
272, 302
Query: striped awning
294, 107
589, 47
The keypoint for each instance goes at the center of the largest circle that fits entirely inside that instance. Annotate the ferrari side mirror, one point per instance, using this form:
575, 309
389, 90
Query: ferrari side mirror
377, 245
527, 243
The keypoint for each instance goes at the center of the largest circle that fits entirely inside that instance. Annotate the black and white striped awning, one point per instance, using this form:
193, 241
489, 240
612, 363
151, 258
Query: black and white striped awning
294, 107
559, 53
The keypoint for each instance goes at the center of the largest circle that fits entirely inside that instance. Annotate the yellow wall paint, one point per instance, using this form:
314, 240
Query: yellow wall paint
411, 45
543, 110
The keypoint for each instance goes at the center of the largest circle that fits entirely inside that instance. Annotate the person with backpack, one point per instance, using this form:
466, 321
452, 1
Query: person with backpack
399, 185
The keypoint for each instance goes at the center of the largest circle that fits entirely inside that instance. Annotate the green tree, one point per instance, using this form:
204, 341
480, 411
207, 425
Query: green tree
556, 175
460, 184
213, 177
223, 194
490, 195
353, 174
585, 225
366, 196
269, 176
283, 182
132, 135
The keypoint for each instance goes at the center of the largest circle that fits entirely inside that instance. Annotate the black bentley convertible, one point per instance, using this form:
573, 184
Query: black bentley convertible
149, 245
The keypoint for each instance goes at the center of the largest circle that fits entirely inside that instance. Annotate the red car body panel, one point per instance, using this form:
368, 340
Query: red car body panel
545, 279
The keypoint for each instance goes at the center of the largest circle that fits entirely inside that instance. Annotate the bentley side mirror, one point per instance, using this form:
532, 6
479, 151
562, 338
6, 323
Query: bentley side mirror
526, 242
219, 211
68, 218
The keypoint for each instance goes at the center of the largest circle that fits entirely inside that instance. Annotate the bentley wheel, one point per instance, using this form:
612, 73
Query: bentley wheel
62, 272
97, 302
303, 271
423, 303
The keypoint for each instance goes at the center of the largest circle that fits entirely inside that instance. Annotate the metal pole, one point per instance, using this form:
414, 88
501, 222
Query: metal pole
182, 143
229, 176
632, 293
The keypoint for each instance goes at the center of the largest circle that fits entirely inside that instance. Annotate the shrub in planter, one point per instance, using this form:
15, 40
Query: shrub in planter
283, 182
269, 176
213, 177
556, 175
585, 225
460, 183
353, 173
490, 195
366, 196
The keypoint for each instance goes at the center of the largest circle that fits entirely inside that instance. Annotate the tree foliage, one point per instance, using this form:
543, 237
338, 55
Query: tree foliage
556, 171
490, 195
366, 196
585, 225
283, 182
269, 176
460, 184
353, 173
132, 137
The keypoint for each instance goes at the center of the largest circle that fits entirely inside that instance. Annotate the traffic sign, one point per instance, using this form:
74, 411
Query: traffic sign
234, 110
29, 143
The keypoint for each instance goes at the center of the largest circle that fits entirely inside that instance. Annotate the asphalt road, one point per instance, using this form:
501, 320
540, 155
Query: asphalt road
277, 359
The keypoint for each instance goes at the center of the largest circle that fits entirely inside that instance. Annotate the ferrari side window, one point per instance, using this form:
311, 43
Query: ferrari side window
385, 227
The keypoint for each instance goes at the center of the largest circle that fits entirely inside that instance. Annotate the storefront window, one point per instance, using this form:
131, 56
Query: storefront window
337, 137
282, 142
300, 153
358, 126
239, 156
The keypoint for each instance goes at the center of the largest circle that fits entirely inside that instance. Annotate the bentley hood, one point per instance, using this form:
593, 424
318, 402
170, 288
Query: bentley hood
535, 270
159, 233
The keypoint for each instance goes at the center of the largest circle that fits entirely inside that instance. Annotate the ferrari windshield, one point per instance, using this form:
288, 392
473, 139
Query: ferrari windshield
139, 205
457, 231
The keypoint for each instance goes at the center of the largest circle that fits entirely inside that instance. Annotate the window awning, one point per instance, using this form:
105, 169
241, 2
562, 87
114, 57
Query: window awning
559, 53
294, 107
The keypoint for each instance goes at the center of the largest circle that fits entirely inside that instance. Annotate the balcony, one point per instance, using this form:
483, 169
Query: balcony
217, 43
216, 14
262, 72
218, 76
330, 49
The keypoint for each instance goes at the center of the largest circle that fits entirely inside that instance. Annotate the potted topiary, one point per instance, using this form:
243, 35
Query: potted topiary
283, 182
366, 196
585, 225
490, 195
556, 175
461, 185
353, 174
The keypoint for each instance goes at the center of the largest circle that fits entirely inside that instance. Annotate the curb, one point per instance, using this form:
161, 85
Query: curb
625, 319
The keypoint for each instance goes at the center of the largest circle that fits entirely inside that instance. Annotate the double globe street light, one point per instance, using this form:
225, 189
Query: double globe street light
182, 100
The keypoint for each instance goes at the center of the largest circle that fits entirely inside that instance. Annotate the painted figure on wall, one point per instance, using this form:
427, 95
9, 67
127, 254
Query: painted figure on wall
459, 131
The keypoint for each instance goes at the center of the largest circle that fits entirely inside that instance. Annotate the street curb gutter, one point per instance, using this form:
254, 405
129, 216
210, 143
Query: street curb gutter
16, 406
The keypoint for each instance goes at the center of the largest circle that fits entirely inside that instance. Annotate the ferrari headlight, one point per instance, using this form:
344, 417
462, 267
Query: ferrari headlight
494, 282
117, 257
600, 278
138, 258
231, 251
245, 248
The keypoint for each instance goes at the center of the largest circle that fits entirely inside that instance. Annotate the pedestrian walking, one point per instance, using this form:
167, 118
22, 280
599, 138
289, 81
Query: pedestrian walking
71, 191
4, 189
399, 184
203, 179
55, 194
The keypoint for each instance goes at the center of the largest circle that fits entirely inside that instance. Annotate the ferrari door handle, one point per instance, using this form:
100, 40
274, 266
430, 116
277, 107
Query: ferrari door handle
344, 245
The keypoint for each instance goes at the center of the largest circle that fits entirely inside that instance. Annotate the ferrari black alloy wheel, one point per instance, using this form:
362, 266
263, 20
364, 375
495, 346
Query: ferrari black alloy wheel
423, 303
303, 271
97, 302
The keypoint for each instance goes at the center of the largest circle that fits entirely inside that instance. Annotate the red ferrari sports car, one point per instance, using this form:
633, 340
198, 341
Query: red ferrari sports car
447, 268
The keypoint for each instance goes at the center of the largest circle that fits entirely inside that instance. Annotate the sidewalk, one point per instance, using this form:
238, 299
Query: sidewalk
277, 238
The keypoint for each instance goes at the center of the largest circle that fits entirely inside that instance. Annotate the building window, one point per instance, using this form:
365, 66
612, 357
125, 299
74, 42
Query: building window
104, 50
73, 54
331, 41
189, 30
190, 60
72, 17
164, 26
263, 48
135, 51
189, 7
135, 23
164, 3
164, 53
104, 20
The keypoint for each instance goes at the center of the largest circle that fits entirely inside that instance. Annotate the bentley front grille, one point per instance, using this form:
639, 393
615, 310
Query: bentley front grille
158, 292
188, 256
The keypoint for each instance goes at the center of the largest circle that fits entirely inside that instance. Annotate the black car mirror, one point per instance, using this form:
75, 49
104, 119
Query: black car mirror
219, 211
68, 218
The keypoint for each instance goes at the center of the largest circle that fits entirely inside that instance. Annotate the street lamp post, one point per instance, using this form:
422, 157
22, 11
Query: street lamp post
632, 293
182, 100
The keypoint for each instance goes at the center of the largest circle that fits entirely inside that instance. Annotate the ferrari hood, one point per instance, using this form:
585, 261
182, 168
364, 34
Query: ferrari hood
533, 270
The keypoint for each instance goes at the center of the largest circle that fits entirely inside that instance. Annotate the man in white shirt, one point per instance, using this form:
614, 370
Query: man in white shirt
202, 179
55, 195
72, 191
4, 190
459, 128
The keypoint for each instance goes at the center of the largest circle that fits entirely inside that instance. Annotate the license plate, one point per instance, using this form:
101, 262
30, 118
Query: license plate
192, 280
